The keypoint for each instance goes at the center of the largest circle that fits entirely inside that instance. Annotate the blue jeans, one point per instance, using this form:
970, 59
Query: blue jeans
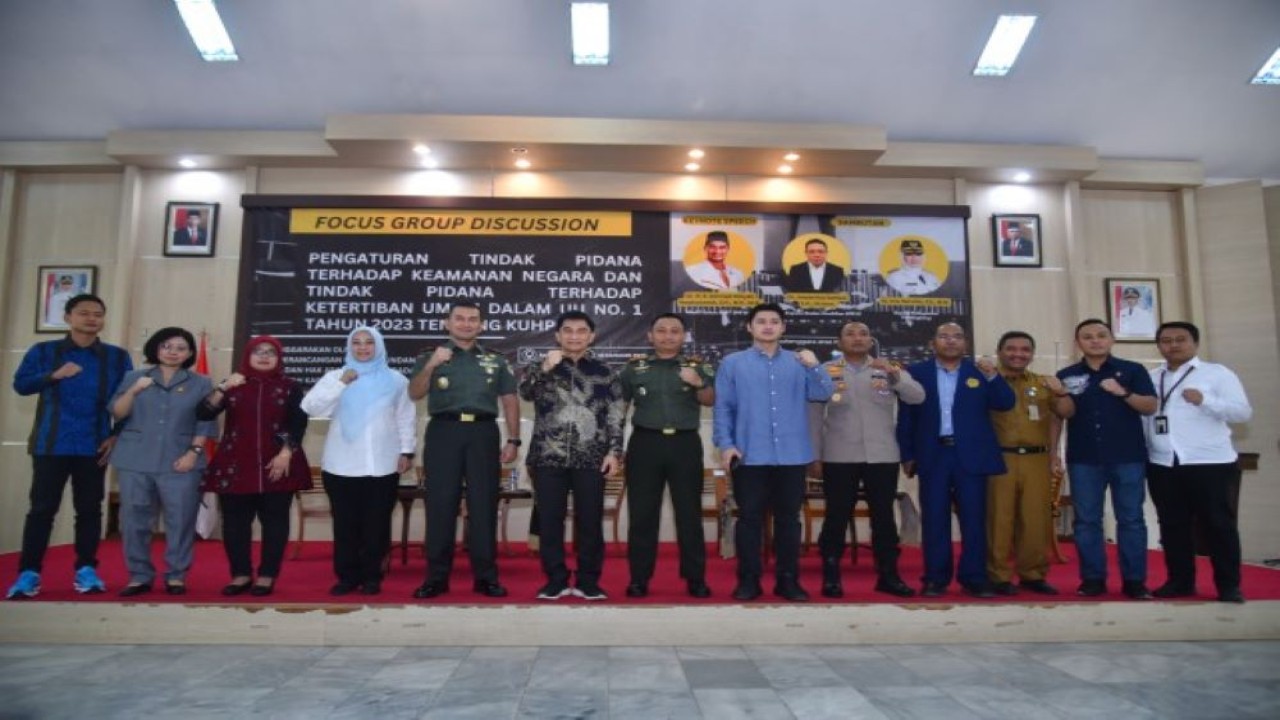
1089, 485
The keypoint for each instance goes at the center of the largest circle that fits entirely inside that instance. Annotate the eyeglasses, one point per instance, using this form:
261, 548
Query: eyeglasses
265, 352
175, 347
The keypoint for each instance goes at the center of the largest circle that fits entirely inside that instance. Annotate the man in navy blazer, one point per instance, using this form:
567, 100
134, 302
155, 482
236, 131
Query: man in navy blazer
949, 440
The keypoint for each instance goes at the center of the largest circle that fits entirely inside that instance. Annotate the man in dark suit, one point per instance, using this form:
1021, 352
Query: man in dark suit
193, 234
949, 439
1014, 244
815, 274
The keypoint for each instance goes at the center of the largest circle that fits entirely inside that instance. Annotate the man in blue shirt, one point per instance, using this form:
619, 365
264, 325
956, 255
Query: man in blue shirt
71, 437
949, 438
1104, 401
761, 428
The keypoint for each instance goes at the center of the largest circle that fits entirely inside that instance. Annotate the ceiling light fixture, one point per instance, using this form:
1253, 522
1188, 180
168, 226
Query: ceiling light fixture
791, 157
1022, 176
1269, 73
206, 29
784, 169
523, 163
589, 22
692, 167
1003, 46
430, 163
187, 163
697, 154
422, 149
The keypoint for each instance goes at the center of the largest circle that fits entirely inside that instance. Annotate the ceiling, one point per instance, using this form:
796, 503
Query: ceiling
1141, 79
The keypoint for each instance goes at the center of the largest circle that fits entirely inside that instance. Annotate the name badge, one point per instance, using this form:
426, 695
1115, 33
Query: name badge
1033, 413
1160, 424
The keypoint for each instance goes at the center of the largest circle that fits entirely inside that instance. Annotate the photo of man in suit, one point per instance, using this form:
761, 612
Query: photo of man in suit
193, 234
815, 274
950, 441
1014, 244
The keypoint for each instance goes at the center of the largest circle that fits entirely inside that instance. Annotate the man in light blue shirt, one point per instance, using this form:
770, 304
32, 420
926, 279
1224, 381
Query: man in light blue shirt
761, 429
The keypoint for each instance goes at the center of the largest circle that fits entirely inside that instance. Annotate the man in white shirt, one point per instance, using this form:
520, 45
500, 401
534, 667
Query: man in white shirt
911, 278
715, 272
1192, 471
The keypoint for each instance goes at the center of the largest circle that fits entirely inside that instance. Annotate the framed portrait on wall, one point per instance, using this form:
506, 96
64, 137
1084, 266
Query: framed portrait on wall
1015, 240
56, 284
190, 229
1133, 307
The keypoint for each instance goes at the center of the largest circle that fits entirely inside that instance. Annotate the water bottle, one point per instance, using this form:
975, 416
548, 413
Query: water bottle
513, 480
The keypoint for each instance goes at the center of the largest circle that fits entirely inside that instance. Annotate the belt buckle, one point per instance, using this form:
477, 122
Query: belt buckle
668, 431
467, 417
1023, 451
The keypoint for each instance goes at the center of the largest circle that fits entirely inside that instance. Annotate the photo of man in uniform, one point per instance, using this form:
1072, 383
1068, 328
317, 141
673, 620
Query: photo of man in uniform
911, 278
1133, 319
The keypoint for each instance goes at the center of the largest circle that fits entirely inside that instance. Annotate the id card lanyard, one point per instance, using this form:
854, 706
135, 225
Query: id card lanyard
1161, 419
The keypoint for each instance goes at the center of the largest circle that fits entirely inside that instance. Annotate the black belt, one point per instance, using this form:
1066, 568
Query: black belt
947, 440
465, 417
662, 431
1026, 449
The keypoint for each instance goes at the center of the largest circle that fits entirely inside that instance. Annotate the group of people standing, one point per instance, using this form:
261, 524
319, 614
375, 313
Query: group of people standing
984, 439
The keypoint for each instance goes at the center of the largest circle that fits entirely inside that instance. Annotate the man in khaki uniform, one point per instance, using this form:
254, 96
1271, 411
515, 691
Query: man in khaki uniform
1019, 512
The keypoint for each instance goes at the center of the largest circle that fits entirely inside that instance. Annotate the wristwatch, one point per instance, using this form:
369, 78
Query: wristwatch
515, 441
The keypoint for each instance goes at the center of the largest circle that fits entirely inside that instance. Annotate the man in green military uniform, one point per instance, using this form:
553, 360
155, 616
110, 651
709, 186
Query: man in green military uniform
667, 390
464, 383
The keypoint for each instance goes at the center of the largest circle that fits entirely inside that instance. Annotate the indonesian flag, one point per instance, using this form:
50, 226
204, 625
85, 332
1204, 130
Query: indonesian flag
202, 367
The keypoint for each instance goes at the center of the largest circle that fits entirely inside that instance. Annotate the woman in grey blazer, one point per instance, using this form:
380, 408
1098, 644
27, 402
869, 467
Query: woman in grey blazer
159, 458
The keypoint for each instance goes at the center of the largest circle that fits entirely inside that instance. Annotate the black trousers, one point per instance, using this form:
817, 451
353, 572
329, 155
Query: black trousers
238, 512
840, 483
654, 462
761, 488
552, 487
460, 455
361, 508
1183, 493
48, 480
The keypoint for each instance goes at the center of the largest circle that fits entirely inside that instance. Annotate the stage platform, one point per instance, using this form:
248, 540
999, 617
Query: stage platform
301, 613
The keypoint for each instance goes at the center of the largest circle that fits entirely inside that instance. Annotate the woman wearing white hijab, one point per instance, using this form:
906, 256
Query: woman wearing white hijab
370, 443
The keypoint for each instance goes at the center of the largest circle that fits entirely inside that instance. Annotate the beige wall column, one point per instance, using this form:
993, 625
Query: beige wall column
119, 329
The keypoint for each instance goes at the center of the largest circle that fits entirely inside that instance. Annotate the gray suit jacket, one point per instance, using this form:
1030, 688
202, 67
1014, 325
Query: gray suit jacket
163, 421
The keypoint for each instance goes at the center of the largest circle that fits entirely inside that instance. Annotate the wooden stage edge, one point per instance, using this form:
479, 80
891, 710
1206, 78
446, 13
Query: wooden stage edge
757, 624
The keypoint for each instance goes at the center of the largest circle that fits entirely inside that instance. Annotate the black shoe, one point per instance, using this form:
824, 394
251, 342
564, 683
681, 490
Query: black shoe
1005, 589
371, 587
1173, 590
933, 589
790, 591
342, 587
590, 591
489, 588
747, 591
1039, 587
133, 589
554, 590
262, 590
431, 589
699, 589
638, 589
1092, 588
233, 589
175, 588
1231, 595
831, 585
980, 590
832, 590
893, 585
1136, 590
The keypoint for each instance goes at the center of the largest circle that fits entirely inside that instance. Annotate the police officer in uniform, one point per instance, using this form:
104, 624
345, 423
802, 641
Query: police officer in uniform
1019, 502
667, 390
463, 383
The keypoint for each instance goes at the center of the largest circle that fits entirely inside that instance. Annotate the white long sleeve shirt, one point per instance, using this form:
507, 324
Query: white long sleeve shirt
1199, 435
377, 448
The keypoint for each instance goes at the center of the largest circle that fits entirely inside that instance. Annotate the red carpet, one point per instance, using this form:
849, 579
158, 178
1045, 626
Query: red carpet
307, 579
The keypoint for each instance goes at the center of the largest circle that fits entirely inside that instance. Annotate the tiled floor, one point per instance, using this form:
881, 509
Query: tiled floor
1200, 680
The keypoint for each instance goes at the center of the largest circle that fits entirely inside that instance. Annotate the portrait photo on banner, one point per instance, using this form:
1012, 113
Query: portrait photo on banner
1133, 306
1016, 241
55, 285
190, 229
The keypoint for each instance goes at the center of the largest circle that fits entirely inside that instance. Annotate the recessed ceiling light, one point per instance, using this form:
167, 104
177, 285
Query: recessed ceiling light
187, 163
589, 26
791, 157
1021, 176
1269, 73
206, 29
422, 149
784, 169
523, 163
1003, 46
697, 154
692, 167
519, 150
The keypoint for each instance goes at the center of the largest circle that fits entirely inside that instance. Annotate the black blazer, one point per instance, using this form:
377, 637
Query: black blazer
797, 278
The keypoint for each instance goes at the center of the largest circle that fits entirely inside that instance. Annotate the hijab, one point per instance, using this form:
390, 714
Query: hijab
272, 376
373, 389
